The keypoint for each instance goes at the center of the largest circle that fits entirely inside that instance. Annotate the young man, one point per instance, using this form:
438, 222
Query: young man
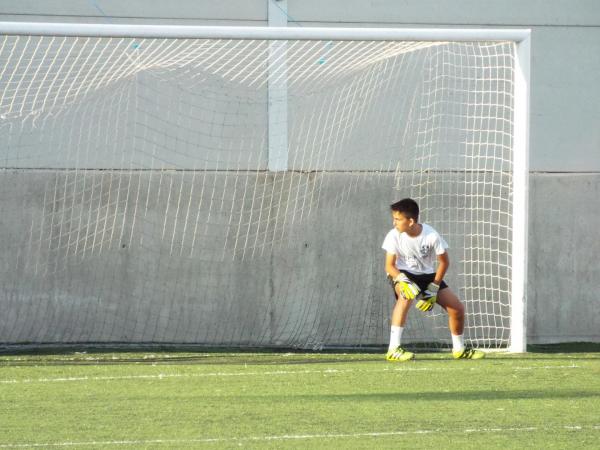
412, 249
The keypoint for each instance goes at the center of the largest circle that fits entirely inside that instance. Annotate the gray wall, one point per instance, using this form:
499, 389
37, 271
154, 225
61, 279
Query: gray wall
565, 118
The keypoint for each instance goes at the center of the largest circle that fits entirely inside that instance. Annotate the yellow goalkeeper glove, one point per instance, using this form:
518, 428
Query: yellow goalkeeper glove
429, 298
408, 288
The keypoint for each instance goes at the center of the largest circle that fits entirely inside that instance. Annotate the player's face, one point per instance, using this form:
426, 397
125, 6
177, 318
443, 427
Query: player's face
401, 222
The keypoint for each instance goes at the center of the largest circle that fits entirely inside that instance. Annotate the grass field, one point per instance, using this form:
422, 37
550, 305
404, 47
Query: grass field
167, 399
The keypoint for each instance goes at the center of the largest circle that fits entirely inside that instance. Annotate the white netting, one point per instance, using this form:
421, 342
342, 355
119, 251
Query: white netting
139, 206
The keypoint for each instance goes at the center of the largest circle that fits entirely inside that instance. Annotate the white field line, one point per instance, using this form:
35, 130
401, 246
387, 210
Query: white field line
161, 376
299, 436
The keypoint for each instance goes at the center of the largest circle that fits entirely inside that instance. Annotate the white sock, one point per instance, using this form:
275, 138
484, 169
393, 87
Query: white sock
458, 343
395, 337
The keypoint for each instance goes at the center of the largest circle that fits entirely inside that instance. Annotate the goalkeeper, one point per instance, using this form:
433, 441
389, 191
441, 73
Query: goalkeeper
412, 249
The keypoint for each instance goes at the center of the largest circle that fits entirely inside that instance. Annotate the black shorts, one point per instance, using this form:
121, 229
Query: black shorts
421, 280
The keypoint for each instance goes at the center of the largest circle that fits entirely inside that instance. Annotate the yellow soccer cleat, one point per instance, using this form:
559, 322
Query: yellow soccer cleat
468, 353
399, 355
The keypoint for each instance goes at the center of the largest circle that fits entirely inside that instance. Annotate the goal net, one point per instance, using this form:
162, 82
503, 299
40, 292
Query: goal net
235, 191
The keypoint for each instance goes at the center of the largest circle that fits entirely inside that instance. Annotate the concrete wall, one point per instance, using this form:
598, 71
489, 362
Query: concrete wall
565, 119
564, 272
316, 280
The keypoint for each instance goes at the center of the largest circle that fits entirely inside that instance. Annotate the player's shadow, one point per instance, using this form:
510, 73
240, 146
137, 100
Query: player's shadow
112, 354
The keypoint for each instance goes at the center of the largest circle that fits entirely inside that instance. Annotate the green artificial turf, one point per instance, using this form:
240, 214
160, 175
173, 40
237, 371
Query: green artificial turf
167, 399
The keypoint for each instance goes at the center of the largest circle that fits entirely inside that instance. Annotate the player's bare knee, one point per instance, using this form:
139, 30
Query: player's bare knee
457, 310
460, 309
403, 304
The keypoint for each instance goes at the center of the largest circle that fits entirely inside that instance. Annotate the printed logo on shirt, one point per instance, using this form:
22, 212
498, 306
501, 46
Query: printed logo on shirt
424, 250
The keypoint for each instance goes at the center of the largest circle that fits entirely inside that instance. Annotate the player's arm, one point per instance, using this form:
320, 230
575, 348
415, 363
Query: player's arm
442, 267
390, 265
402, 284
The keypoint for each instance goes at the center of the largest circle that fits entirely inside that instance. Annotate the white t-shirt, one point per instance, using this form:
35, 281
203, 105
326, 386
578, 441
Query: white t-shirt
415, 254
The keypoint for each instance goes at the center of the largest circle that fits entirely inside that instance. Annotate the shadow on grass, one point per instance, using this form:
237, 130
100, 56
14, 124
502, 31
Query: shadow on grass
29, 355
111, 354
440, 396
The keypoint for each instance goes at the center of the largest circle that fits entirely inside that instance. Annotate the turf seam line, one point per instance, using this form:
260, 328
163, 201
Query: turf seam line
299, 436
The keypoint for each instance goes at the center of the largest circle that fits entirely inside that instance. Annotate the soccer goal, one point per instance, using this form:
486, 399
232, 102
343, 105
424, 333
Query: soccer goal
229, 186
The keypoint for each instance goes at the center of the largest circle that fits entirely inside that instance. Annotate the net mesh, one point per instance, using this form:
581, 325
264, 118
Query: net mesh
139, 205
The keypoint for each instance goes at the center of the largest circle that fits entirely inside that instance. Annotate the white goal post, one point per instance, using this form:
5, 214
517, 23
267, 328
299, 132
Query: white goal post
156, 147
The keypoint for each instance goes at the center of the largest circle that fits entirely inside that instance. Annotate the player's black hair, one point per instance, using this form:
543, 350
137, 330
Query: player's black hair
407, 207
